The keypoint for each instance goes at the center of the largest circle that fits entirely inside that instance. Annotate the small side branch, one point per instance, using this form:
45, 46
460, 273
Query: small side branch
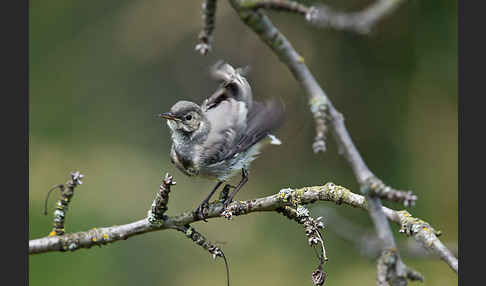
206, 35
200, 240
313, 229
385, 277
323, 16
427, 236
395, 270
366, 242
312, 226
276, 5
67, 192
375, 187
159, 206
360, 22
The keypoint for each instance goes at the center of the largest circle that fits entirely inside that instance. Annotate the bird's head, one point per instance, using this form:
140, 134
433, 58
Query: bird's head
184, 117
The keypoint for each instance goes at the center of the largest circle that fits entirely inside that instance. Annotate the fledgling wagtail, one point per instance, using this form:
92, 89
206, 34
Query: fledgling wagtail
224, 134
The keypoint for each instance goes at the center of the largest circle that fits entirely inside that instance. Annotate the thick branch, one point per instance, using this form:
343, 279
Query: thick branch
320, 106
287, 197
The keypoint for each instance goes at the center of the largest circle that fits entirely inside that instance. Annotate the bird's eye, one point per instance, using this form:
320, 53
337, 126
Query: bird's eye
188, 117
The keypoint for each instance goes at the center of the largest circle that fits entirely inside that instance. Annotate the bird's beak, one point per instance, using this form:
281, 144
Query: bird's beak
168, 116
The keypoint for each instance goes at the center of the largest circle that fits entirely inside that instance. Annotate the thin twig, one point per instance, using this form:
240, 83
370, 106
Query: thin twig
206, 34
360, 22
159, 206
67, 192
200, 240
276, 5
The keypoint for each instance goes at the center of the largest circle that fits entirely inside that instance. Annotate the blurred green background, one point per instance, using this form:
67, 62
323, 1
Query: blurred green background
100, 70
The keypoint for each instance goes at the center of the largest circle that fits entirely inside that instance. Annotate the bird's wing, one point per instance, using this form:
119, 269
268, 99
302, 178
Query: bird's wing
228, 122
233, 85
263, 118
234, 129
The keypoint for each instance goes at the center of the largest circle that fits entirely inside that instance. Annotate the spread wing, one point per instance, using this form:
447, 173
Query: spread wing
263, 118
228, 123
237, 121
235, 128
232, 85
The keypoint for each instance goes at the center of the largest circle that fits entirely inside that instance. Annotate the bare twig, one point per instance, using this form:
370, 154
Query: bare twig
360, 22
276, 5
206, 34
306, 195
313, 229
375, 187
396, 271
159, 206
67, 192
385, 263
427, 236
312, 226
366, 241
323, 16
200, 240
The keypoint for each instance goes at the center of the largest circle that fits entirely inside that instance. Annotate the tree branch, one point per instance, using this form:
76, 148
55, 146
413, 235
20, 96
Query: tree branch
366, 241
286, 197
206, 34
324, 16
360, 22
67, 192
320, 107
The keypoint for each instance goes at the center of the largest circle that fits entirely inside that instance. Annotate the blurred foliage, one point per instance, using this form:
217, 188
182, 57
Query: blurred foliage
100, 70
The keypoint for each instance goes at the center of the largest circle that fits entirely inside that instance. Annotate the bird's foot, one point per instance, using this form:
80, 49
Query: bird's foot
227, 213
201, 211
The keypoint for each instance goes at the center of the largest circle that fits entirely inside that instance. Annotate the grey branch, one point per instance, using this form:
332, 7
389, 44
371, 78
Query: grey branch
206, 34
319, 102
159, 206
67, 192
385, 263
365, 241
276, 5
306, 195
375, 187
200, 240
360, 22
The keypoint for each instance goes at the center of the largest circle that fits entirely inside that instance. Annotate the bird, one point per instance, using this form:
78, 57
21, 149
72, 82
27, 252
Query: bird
223, 135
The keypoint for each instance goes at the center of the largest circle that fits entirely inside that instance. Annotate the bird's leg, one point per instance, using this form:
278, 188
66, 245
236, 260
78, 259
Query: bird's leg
199, 211
225, 192
244, 179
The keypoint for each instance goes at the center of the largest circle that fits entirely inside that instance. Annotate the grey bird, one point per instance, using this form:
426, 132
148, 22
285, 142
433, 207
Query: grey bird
225, 134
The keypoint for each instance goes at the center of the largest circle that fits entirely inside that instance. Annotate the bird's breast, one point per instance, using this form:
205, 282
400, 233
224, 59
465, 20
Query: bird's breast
185, 161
